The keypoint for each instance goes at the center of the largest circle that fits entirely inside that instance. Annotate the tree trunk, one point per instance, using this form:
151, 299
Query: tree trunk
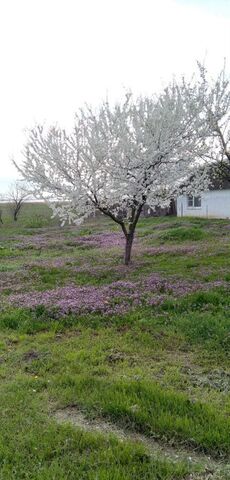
172, 208
128, 247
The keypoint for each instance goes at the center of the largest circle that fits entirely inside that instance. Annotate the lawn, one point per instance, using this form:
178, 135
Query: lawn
114, 372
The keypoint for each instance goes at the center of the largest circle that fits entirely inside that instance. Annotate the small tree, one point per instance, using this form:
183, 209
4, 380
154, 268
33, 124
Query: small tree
117, 159
16, 198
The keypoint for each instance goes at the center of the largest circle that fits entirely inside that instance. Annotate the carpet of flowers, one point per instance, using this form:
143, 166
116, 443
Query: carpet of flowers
117, 296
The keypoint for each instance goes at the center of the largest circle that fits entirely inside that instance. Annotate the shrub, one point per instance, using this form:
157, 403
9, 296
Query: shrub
182, 234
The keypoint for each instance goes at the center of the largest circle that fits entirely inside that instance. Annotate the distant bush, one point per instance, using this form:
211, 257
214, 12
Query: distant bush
182, 234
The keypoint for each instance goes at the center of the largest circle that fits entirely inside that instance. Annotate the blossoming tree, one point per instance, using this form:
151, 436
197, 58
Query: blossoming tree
117, 159
214, 98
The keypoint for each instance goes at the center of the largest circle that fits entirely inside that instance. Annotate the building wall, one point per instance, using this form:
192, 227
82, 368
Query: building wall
214, 204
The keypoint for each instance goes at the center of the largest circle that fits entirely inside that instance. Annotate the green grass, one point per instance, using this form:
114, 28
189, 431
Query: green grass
181, 234
32, 215
35, 447
149, 409
160, 371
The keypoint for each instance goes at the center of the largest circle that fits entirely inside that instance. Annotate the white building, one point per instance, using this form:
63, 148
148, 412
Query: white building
211, 204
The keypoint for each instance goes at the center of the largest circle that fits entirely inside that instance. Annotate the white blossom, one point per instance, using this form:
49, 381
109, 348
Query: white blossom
118, 158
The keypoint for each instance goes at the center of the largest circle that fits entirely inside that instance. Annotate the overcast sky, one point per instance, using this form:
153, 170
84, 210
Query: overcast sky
57, 54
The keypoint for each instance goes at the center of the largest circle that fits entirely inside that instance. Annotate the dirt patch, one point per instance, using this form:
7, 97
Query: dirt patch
217, 380
115, 356
210, 467
31, 355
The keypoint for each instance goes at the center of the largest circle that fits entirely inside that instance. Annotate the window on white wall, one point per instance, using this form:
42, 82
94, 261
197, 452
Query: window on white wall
194, 201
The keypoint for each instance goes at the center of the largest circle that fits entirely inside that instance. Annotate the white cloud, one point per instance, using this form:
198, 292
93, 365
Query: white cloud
56, 54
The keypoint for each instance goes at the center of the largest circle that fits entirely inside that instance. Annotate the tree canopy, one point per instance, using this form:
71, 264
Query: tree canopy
120, 157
